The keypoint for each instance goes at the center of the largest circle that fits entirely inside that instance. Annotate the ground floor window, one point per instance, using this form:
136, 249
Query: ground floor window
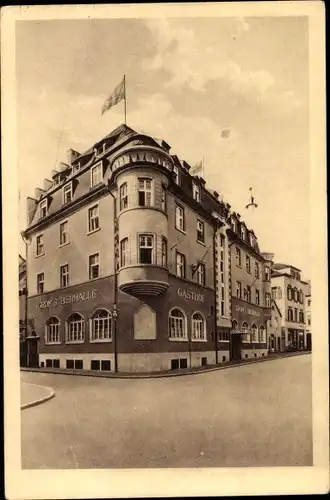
177, 325
246, 336
101, 326
75, 328
254, 333
262, 336
198, 327
53, 331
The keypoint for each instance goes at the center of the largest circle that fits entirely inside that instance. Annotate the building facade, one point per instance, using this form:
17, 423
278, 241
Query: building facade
22, 290
274, 330
250, 272
134, 265
308, 309
289, 291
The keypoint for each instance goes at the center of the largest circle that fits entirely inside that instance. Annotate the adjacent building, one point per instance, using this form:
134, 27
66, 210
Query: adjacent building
274, 330
22, 308
308, 308
289, 292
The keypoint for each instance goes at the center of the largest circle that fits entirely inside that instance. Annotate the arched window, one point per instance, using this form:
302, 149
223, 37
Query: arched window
53, 331
262, 337
100, 326
289, 292
235, 326
177, 325
75, 328
246, 336
198, 327
254, 333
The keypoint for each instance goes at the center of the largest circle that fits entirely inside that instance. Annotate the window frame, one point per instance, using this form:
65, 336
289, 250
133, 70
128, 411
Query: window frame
176, 176
268, 300
63, 243
257, 296
93, 168
262, 330
43, 204
41, 273
200, 232
58, 333
177, 254
145, 190
238, 289
238, 257
164, 253
254, 333
123, 196
66, 275
245, 331
92, 319
91, 266
124, 255
202, 322
67, 328
163, 198
183, 338
64, 193
153, 248
90, 219
182, 218
256, 270
201, 274
39, 253
248, 263
196, 191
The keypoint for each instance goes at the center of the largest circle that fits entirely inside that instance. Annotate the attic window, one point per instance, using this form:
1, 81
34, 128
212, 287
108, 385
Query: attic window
243, 232
67, 193
43, 209
234, 224
77, 166
196, 192
176, 175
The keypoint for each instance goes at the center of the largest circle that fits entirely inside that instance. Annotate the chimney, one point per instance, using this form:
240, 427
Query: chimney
31, 207
72, 155
38, 192
47, 184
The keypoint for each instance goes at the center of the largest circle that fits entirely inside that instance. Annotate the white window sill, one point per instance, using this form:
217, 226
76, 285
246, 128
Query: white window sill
178, 340
223, 340
181, 230
94, 231
64, 244
53, 343
39, 255
74, 341
201, 242
99, 341
198, 340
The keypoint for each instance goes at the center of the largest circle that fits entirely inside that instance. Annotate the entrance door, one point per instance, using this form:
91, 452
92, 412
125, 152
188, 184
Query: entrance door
235, 346
309, 341
32, 352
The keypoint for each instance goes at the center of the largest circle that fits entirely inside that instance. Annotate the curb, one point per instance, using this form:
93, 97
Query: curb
137, 376
40, 400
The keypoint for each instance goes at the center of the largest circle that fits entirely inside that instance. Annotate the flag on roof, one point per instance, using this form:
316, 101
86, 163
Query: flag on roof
116, 96
196, 168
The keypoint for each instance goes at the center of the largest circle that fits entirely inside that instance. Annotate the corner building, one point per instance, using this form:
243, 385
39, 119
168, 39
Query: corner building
128, 261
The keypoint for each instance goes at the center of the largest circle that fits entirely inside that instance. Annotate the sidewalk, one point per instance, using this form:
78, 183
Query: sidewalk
32, 394
171, 373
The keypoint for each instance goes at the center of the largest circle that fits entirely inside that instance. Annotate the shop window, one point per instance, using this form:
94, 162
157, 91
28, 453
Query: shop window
262, 336
234, 326
177, 325
198, 327
146, 248
183, 363
52, 331
254, 333
106, 365
100, 326
75, 328
246, 336
95, 364
174, 364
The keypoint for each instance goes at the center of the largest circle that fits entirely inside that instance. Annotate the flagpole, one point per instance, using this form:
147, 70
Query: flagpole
125, 96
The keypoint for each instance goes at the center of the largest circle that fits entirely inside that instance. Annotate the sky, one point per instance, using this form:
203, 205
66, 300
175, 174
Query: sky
187, 80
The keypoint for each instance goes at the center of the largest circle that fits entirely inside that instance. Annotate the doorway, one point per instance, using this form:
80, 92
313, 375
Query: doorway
235, 346
32, 352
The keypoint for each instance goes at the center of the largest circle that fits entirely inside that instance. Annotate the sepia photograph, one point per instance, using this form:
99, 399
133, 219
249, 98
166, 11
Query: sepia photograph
167, 189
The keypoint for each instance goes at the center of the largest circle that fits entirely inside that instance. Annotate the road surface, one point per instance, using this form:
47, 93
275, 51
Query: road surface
254, 415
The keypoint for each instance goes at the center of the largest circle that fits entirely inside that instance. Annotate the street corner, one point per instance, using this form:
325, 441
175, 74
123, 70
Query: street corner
33, 394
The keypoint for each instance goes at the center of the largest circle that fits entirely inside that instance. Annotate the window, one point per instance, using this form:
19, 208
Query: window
248, 263
75, 328
180, 265
95, 364
296, 315
146, 248
124, 252
123, 196
301, 297
262, 337
274, 293
254, 333
290, 314
243, 232
176, 175
67, 193
201, 273
247, 293
256, 270
177, 325
289, 292
43, 209
198, 327
222, 299
145, 192
238, 289
267, 273
96, 175
163, 199
64, 275
179, 218
267, 299
40, 244
246, 336
200, 231
234, 224
223, 337
196, 192
94, 266
40, 282
238, 257
309, 302
164, 252
301, 317
309, 321
234, 326
106, 365
53, 331
93, 219
64, 233
70, 363
100, 326
174, 364
257, 297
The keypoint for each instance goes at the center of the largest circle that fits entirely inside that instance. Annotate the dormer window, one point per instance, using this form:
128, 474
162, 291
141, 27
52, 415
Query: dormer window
43, 209
96, 175
234, 224
176, 175
67, 193
243, 233
196, 192
77, 166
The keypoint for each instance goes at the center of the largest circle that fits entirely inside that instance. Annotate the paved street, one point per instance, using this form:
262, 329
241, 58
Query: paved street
255, 415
